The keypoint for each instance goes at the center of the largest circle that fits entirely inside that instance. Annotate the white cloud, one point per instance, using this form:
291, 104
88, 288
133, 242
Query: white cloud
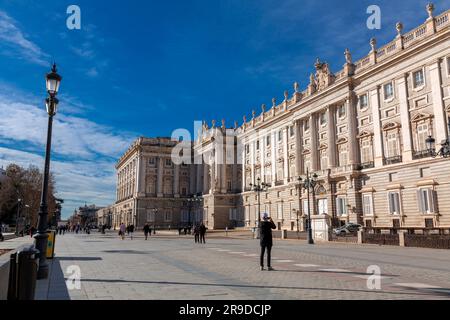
13, 37
83, 152
72, 136
77, 182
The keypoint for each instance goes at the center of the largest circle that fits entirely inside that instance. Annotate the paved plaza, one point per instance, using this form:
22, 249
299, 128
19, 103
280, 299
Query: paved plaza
174, 267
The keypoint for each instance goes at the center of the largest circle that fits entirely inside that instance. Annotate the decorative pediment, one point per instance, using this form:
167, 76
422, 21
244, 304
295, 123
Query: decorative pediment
420, 117
306, 151
364, 134
323, 146
391, 125
342, 141
323, 78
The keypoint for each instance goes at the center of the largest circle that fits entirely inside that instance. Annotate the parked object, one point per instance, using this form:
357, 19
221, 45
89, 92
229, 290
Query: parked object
349, 228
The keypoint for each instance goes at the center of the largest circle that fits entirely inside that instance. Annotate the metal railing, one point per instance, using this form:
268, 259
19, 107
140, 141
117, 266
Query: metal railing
393, 160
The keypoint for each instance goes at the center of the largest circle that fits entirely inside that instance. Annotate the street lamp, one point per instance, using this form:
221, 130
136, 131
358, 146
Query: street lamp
53, 81
192, 200
258, 188
309, 183
443, 152
19, 202
155, 211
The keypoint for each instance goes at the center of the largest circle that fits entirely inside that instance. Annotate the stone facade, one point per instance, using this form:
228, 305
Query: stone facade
150, 187
362, 130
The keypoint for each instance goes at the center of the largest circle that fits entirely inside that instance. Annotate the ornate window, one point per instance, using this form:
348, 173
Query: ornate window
280, 211
366, 150
341, 111
323, 159
168, 216
392, 143
367, 204
307, 161
422, 133
341, 206
426, 200
343, 154
388, 90
323, 119
306, 125
152, 162
418, 79
363, 101
168, 186
394, 202
268, 140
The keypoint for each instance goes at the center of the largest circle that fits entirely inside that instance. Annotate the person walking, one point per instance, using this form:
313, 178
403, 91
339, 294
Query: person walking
146, 230
202, 232
266, 240
131, 230
196, 234
122, 230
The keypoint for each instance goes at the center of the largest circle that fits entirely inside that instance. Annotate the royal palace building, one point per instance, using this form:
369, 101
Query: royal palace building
362, 130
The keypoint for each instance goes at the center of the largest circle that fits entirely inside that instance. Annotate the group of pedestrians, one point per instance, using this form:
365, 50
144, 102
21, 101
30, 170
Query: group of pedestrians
199, 233
129, 230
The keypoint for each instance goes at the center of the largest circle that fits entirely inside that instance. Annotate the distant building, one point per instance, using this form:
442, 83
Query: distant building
105, 216
86, 215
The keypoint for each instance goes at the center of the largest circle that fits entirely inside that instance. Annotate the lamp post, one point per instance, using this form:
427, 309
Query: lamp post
258, 188
53, 81
155, 211
444, 152
19, 202
309, 183
192, 200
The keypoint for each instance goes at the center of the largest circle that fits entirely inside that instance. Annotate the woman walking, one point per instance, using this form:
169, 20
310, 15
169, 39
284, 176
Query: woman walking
122, 230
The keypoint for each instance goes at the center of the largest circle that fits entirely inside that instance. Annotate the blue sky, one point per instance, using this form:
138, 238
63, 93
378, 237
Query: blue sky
145, 68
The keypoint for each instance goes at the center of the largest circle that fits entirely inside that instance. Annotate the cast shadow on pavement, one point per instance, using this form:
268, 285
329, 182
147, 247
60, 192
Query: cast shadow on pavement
428, 292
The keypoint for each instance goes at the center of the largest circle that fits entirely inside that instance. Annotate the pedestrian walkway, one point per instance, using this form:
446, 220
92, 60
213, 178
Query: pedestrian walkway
177, 268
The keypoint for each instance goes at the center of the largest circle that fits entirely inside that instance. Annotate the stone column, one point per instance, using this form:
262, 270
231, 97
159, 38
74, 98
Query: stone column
331, 114
252, 160
405, 118
205, 178
377, 133
176, 181
262, 152
244, 167
274, 157
140, 175
159, 185
223, 167
298, 148
314, 143
286, 154
353, 144
198, 180
192, 179
438, 103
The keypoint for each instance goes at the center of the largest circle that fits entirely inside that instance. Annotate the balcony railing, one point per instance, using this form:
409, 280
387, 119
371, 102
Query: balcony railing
392, 160
421, 154
367, 165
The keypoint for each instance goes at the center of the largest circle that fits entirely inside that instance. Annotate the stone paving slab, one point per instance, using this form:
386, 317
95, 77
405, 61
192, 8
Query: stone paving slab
175, 267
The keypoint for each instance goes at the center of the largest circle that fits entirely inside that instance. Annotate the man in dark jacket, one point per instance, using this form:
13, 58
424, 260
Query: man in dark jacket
202, 231
146, 230
266, 241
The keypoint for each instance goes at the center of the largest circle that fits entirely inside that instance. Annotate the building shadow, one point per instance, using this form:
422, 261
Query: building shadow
126, 251
423, 293
57, 289
79, 258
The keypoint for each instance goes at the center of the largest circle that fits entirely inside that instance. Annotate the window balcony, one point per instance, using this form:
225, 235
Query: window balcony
367, 165
421, 154
392, 160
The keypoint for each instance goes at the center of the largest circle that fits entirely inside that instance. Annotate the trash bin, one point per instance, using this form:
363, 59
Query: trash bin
23, 274
51, 244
